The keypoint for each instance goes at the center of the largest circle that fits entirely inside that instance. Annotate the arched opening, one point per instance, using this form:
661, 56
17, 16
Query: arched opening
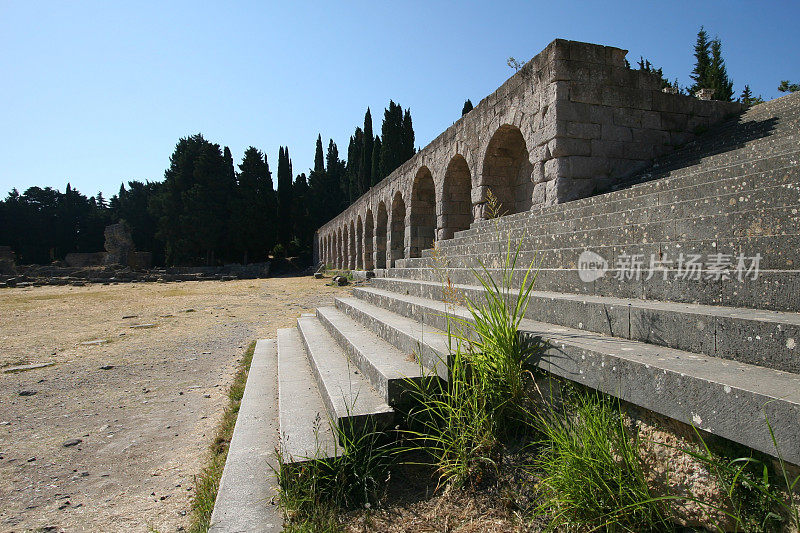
359, 244
351, 248
339, 248
507, 171
456, 205
380, 236
422, 228
398, 229
369, 235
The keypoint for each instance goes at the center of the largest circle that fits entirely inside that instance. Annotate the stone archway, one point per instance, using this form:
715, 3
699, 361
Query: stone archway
369, 238
359, 244
381, 235
351, 246
397, 229
422, 226
339, 250
456, 205
507, 171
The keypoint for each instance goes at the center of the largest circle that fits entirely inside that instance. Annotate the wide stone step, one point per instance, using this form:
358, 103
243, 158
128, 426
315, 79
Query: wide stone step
778, 189
778, 252
428, 345
776, 290
765, 338
391, 372
305, 432
350, 400
763, 172
748, 223
723, 397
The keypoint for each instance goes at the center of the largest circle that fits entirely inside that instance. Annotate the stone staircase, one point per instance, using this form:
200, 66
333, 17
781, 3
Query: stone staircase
712, 342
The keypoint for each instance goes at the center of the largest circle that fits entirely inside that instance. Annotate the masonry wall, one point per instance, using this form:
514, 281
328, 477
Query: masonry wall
573, 121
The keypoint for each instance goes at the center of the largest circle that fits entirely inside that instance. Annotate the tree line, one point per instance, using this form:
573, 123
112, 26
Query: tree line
207, 210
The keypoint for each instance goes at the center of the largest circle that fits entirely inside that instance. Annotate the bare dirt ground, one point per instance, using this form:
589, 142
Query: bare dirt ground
144, 402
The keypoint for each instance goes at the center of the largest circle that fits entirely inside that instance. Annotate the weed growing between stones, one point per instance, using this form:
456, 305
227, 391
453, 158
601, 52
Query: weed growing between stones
206, 483
589, 466
759, 495
314, 491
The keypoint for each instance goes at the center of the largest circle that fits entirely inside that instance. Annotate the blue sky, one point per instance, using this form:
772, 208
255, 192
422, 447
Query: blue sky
97, 93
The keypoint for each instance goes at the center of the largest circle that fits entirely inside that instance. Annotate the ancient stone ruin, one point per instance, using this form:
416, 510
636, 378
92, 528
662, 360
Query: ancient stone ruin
664, 231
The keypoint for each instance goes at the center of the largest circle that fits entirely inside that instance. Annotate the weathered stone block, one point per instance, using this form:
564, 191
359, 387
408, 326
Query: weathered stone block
611, 132
631, 118
565, 146
584, 130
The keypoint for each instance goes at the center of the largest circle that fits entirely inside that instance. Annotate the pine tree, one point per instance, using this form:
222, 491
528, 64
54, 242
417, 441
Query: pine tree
788, 87
702, 62
467, 107
718, 74
376, 161
254, 212
365, 168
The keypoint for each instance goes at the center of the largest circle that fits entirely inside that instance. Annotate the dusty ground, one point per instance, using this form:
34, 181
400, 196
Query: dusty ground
145, 423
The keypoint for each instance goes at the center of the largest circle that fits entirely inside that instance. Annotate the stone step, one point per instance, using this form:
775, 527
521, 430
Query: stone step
726, 202
348, 397
749, 223
428, 345
723, 397
248, 479
775, 290
765, 338
782, 169
305, 431
391, 372
723, 196
778, 252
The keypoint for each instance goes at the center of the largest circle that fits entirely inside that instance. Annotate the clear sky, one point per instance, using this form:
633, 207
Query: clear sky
97, 93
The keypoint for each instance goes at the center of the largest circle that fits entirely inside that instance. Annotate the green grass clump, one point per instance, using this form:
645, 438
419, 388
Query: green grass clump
313, 492
207, 481
591, 475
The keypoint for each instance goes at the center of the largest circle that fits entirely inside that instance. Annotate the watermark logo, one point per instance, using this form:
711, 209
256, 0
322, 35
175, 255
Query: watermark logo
693, 267
591, 266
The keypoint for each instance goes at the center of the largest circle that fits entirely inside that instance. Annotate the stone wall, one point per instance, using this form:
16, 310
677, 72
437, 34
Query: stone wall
570, 123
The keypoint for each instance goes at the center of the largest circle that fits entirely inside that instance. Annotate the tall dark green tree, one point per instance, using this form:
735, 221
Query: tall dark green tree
702, 62
318, 187
254, 213
787, 87
194, 206
354, 172
365, 180
467, 107
376, 161
301, 216
338, 181
397, 138
285, 202
135, 206
718, 74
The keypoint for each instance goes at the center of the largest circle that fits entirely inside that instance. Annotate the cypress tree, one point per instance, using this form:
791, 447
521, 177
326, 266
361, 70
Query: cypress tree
338, 182
702, 62
718, 74
376, 161
397, 138
408, 137
354, 173
467, 107
284, 222
365, 168
300, 214
318, 189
